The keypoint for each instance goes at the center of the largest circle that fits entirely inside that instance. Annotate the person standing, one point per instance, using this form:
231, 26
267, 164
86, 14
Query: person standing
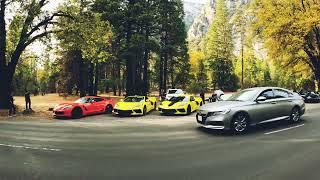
12, 106
28, 100
202, 97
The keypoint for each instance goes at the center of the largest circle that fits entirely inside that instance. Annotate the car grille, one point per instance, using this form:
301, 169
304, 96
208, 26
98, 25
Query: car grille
169, 111
124, 112
203, 118
182, 110
58, 113
215, 123
137, 111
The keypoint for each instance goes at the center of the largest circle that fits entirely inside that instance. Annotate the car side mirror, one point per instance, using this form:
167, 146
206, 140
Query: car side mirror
261, 99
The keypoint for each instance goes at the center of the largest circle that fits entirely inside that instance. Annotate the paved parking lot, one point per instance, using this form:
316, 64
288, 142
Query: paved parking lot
156, 147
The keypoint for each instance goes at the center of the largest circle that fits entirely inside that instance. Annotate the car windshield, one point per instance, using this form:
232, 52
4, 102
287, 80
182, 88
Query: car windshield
173, 91
82, 100
245, 95
133, 99
179, 99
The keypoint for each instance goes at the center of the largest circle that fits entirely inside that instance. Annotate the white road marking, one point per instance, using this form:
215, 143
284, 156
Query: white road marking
286, 129
29, 147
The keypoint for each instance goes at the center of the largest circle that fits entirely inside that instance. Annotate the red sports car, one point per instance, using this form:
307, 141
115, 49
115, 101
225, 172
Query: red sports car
84, 106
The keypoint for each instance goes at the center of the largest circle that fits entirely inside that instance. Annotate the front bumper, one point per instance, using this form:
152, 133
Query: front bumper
135, 112
220, 122
172, 111
61, 114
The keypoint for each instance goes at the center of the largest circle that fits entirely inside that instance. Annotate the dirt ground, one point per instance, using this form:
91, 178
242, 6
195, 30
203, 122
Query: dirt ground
41, 104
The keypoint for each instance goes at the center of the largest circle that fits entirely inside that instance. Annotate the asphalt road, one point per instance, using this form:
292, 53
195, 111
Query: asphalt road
157, 147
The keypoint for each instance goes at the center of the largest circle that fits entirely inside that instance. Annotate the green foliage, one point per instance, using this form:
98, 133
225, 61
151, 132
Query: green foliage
219, 50
220, 43
290, 30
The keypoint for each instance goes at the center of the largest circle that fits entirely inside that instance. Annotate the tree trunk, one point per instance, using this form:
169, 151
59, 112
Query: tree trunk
146, 66
5, 89
91, 80
96, 80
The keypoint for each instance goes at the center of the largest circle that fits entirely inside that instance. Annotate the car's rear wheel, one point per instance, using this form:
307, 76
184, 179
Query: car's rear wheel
240, 123
145, 110
109, 109
189, 110
295, 115
77, 113
155, 106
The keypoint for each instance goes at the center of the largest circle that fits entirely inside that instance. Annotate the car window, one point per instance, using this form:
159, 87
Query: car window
245, 95
82, 100
133, 99
267, 94
179, 99
97, 99
172, 91
278, 93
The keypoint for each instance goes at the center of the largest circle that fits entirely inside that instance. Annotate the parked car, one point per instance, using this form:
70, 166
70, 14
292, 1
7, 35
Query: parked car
174, 93
135, 105
180, 105
216, 96
251, 107
85, 106
311, 98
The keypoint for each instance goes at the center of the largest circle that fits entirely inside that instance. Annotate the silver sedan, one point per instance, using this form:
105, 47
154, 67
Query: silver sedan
250, 107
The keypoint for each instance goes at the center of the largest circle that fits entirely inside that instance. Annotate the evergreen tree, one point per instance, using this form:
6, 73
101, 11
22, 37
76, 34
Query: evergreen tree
220, 49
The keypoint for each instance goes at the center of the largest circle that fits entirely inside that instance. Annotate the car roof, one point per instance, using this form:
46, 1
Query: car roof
266, 88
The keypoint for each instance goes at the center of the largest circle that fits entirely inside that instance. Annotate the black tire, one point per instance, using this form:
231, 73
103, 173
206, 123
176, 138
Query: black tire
201, 104
240, 123
295, 115
155, 106
77, 113
109, 109
189, 110
144, 110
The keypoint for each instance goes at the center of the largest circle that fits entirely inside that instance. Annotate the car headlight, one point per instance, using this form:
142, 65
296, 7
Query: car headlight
67, 107
219, 112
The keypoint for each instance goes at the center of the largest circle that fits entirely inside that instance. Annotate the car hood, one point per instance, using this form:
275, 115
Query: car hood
63, 105
170, 104
223, 105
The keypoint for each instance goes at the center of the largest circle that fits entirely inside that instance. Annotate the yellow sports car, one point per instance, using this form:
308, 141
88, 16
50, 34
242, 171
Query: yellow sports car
180, 105
135, 105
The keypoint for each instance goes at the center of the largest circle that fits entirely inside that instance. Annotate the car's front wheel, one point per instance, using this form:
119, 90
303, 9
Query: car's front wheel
109, 109
145, 110
240, 123
295, 115
189, 110
77, 113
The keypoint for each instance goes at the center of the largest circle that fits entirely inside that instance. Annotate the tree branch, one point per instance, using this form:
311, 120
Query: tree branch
47, 21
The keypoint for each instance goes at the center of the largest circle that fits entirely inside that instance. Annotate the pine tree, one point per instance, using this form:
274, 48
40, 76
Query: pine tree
220, 49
